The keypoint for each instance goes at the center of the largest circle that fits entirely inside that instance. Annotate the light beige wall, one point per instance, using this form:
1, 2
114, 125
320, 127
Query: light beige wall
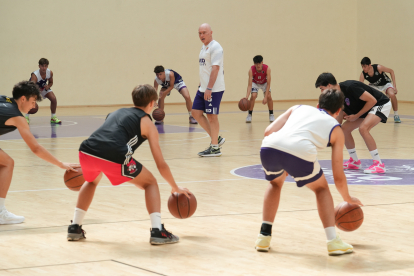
386, 36
100, 49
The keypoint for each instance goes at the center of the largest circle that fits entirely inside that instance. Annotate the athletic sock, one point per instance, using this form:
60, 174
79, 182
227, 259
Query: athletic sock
270, 112
27, 115
330, 233
375, 155
2, 202
53, 115
215, 146
266, 229
78, 216
250, 112
156, 220
395, 112
352, 153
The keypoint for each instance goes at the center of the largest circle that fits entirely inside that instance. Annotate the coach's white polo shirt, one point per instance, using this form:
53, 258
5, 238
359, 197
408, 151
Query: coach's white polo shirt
210, 55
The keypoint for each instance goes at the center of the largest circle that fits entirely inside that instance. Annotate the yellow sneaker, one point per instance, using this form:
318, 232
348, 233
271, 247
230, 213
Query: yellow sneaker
263, 243
338, 247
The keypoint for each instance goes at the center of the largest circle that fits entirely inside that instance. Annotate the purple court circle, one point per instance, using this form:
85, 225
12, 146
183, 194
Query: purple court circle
399, 172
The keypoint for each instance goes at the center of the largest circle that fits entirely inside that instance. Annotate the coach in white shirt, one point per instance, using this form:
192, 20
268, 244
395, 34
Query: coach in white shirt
210, 92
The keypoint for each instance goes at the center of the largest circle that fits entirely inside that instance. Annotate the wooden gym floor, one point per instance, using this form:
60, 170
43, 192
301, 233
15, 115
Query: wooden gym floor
219, 238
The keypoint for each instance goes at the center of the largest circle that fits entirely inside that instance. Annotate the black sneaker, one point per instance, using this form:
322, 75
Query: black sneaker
221, 141
162, 237
210, 152
75, 232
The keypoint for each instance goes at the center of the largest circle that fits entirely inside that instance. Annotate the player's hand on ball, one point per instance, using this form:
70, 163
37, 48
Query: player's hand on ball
70, 166
182, 191
354, 200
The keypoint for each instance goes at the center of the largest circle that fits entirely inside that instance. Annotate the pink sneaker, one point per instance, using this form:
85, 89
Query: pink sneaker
377, 167
352, 165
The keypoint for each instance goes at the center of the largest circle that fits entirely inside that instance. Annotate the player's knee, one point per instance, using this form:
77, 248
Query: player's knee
363, 130
196, 113
9, 162
253, 96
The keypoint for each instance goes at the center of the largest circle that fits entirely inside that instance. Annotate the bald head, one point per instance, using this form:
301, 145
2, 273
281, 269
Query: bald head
205, 33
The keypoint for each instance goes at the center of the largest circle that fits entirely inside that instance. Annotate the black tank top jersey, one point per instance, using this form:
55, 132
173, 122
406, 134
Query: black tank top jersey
353, 90
8, 109
118, 138
377, 79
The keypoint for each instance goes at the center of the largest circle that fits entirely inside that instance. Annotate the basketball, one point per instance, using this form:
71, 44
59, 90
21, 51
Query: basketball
34, 109
181, 206
158, 114
74, 180
244, 104
348, 217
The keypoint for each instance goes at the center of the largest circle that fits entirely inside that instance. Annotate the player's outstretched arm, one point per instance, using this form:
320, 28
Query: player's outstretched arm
249, 83
50, 81
149, 131
391, 72
279, 122
35, 147
337, 143
361, 77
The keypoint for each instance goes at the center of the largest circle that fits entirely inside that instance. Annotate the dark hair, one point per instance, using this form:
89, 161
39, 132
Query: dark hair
331, 100
365, 61
324, 79
28, 89
43, 61
159, 69
142, 95
257, 59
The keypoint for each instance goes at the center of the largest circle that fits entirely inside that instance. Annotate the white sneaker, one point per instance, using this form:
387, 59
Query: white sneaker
9, 218
271, 117
249, 118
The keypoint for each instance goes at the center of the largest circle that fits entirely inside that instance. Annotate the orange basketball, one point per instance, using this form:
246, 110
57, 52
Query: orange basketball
348, 217
244, 104
181, 206
74, 180
158, 114
34, 109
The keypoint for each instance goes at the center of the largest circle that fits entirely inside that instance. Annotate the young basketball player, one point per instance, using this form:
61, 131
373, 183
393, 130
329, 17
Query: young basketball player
375, 75
109, 151
169, 80
44, 79
259, 78
210, 91
364, 108
25, 95
290, 147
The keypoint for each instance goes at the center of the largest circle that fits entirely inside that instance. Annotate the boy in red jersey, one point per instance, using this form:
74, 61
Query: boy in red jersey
259, 78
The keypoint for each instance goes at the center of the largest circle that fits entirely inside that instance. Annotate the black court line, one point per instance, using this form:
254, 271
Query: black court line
138, 267
28, 267
206, 216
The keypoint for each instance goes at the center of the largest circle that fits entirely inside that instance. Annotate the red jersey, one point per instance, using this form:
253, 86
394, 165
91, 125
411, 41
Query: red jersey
260, 77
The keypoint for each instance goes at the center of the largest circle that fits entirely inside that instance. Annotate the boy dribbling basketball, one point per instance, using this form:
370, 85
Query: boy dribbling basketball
290, 147
109, 151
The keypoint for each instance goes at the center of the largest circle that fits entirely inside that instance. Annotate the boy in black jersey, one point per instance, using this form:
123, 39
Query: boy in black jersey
375, 75
109, 151
364, 108
25, 95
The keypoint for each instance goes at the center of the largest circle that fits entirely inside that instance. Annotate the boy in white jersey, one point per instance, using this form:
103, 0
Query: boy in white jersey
290, 147
210, 92
44, 80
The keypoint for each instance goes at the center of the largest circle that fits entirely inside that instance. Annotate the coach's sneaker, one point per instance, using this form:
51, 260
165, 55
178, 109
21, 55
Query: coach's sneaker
27, 119
249, 118
163, 236
338, 247
192, 120
271, 117
55, 120
75, 232
351, 164
397, 119
221, 141
377, 167
210, 152
263, 243
9, 218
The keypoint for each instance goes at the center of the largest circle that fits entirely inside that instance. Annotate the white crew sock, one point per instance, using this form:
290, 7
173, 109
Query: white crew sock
375, 155
27, 115
53, 115
156, 220
215, 146
268, 222
352, 153
189, 113
330, 233
2, 202
396, 112
78, 216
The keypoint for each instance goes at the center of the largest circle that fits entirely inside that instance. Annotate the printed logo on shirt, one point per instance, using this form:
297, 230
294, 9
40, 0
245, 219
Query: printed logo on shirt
8, 100
202, 62
347, 101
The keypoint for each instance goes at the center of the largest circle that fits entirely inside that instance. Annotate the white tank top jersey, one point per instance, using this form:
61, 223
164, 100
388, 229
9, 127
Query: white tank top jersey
41, 82
210, 55
167, 78
307, 130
